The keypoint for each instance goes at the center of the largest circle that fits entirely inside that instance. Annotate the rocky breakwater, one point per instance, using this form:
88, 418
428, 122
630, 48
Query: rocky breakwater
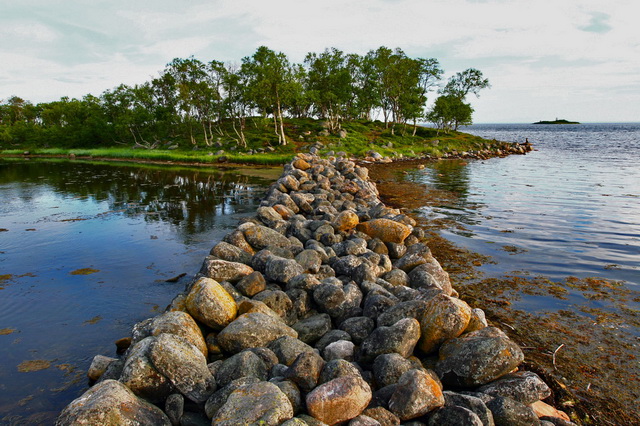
325, 308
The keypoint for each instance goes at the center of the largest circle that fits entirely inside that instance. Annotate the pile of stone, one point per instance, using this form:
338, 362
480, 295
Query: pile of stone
325, 308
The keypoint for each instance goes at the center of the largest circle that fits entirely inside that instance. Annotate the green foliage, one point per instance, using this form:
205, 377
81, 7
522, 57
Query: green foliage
449, 112
209, 106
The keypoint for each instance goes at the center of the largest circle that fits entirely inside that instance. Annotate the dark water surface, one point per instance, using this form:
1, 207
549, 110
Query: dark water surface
85, 252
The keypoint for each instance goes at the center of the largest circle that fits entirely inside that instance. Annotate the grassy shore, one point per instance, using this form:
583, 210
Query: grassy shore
262, 148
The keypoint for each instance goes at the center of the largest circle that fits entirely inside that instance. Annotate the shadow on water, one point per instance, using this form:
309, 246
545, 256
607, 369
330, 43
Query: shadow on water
87, 250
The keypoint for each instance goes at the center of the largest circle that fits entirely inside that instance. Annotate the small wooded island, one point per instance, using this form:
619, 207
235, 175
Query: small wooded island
557, 121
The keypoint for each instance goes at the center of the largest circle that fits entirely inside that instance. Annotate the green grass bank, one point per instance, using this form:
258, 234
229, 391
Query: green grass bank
357, 138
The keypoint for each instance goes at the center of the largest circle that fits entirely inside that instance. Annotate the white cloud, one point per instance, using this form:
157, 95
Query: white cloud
533, 52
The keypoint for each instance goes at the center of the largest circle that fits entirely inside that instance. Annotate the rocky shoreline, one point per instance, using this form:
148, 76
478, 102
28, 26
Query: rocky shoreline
325, 308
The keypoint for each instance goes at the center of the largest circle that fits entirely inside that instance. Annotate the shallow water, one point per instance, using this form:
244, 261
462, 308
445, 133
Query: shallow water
548, 245
85, 252
570, 208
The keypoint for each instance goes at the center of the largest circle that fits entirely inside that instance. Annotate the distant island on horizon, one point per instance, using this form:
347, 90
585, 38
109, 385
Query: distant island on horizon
557, 121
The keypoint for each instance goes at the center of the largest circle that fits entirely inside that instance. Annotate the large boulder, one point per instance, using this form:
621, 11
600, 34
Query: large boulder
523, 386
223, 270
345, 220
111, 403
400, 338
211, 304
282, 270
181, 324
417, 394
261, 237
387, 230
231, 253
442, 319
339, 400
184, 365
141, 376
252, 330
243, 364
477, 358
260, 403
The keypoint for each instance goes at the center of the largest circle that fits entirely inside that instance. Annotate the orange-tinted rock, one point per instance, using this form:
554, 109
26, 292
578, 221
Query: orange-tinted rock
444, 318
346, 220
545, 410
387, 230
417, 393
301, 164
211, 304
339, 400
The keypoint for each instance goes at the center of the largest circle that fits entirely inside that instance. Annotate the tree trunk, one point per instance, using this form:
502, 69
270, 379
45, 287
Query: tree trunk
282, 138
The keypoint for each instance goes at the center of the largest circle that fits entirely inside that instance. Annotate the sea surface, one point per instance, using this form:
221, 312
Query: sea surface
571, 208
86, 250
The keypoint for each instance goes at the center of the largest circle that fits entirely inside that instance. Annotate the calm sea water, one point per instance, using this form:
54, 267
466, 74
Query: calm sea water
570, 208
85, 252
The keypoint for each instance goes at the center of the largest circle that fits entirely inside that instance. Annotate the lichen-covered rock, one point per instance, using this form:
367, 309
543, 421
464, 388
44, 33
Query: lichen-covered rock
282, 270
388, 368
339, 400
184, 365
305, 370
443, 318
260, 237
311, 329
301, 164
386, 230
363, 420
98, 366
478, 321
252, 330
408, 309
277, 300
383, 416
174, 408
342, 349
477, 358
454, 415
268, 215
181, 324
243, 364
523, 386
211, 304
507, 411
358, 328
111, 403
141, 376
346, 220
288, 348
292, 392
417, 393
251, 306
231, 253
223, 270
252, 284
337, 368
309, 260
400, 338
472, 403
259, 403
219, 397
430, 274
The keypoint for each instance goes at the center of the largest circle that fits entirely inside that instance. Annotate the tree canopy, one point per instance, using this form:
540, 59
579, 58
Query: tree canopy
189, 100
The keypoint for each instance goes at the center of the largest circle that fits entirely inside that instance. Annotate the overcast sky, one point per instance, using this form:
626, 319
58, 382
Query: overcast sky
578, 60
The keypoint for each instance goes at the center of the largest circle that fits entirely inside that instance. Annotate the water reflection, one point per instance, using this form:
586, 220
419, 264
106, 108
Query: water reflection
85, 252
